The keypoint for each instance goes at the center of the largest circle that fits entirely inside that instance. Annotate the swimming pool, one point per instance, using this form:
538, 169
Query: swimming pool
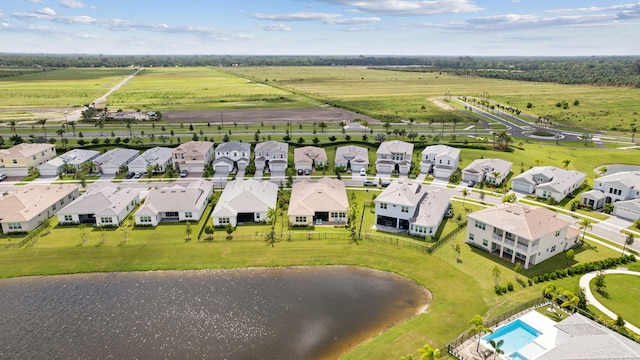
516, 335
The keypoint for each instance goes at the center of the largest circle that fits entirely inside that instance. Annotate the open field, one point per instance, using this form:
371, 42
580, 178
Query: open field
185, 89
621, 295
395, 95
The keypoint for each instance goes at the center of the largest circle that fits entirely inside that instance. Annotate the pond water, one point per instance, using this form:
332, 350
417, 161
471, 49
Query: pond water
283, 313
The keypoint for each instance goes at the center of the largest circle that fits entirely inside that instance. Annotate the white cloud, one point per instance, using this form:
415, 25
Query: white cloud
74, 4
325, 18
35, 1
274, 27
409, 7
46, 11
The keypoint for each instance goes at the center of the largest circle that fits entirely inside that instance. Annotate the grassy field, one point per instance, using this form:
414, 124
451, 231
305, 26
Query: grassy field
621, 295
178, 89
400, 95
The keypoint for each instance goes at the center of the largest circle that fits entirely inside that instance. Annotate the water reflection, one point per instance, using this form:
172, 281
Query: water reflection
291, 313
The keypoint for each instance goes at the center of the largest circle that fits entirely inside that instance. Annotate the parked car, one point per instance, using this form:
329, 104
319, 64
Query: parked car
184, 173
300, 172
385, 184
130, 175
471, 183
138, 175
2, 177
307, 172
370, 183
363, 172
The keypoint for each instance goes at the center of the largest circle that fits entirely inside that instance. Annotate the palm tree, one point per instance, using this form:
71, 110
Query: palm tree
100, 124
129, 121
551, 289
628, 241
571, 300
496, 347
60, 132
465, 193
478, 328
584, 224
476, 121
13, 124
73, 127
429, 353
495, 174
633, 133
566, 163
44, 128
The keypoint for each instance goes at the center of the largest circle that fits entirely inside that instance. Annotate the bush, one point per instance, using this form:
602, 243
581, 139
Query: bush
510, 286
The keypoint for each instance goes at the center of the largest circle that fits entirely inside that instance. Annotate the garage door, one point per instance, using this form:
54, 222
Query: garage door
517, 186
386, 168
626, 213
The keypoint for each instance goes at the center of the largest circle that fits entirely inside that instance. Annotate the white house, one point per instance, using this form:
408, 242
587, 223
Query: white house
440, 160
158, 158
407, 205
493, 171
308, 157
517, 232
321, 202
627, 209
75, 158
111, 161
272, 155
232, 155
27, 207
16, 160
245, 201
623, 185
548, 181
101, 206
352, 157
394, 155
180, 202
193, 156
592, 198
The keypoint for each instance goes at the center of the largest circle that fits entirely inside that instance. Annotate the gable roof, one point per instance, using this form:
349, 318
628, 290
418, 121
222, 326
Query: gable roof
442, 150
246, 196
561, 179
480, 165
432, 208
524, 221
74, 157
28, 202
309, 197
194, 148
271, 145
154, 156
307, 154
356, 154
25, 150
177, 198
395, 147
117, 156
630, 179
403, 192
633, 204
233, 145
103, 201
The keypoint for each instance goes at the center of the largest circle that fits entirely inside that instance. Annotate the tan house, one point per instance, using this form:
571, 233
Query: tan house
16, 160
318, 202
29, 206
193, 156
309, 157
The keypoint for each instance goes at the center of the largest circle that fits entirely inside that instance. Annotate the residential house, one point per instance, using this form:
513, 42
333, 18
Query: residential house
394, 155
101, 206
245, 201
352, 157
232, 155
193, 156
493, 171
309, 157
28, 207
627, 209
624, 185
519, 233
594, 199
112, 161
548, 181
272, 156
408, 205
440, 160
180, 202
156, 158
318, 202
75, 158
16, 160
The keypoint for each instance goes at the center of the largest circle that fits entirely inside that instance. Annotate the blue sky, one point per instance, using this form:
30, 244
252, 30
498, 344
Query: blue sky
322, 27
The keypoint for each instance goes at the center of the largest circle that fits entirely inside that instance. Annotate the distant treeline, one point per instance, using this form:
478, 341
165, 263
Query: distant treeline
598, 70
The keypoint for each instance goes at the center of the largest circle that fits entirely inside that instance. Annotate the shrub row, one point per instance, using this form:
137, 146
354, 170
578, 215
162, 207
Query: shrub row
584, 268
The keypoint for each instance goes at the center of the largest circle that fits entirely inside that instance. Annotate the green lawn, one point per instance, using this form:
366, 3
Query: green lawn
622, 296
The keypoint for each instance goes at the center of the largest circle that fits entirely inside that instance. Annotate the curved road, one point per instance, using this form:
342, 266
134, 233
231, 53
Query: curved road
584, 283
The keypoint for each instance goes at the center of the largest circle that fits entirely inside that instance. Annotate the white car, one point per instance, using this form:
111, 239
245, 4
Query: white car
2, 177
363, 172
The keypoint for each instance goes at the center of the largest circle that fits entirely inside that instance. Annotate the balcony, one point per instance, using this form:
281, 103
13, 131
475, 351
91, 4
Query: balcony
522, 247
509, 242
496, 237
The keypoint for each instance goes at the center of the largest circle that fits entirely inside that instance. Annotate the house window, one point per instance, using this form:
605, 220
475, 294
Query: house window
553, 248
383, 205
145, 219
53, 207
485, 242
68, 218
223, 221
15, 226
557, 233
34, 157
171, 214
404, 209
301, 219
188, 214
106, 220
480, 225
471, 237
14, 161
257, 216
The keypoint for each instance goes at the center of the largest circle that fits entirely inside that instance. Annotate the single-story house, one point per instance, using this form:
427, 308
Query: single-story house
101, 206
592, 198
548, 181
308, 157
27, 207
318, 202
175, 203
111, 161
158, 158
75, 158
245, 201
352, 157
493, 171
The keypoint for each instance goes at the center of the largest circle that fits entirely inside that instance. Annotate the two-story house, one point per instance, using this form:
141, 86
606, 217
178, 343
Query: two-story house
440, 160
193, 156
16, 160
272, 156
231, 156
548, 181
394, 155
519, 233
621, 188
407, 205
493, 171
